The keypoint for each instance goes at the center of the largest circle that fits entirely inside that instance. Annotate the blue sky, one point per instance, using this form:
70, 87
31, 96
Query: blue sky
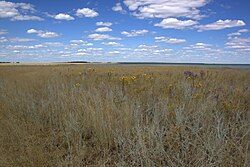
209, 31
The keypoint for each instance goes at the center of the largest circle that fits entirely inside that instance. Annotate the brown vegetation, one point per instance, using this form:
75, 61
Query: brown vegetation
107, 115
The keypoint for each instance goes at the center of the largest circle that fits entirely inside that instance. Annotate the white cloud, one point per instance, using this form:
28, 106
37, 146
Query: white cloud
125, 49
94, 49
43, 34
175, 23
77, 41
238, 33
147, 46
17, 11
16, 39
151, 50
31, 31
81, 54
26, 17
114, 52
99, 37
112, 44
53, 44
62, 16
36, 46
221, 24
81, 43
200, 47
48, 35
234, 34
16, 51
3, 39
134, 33
243, 31
3, 32
162, 51
86, 12
242, 44
8, 9
166, 8
103, 29
118, 8
106, 24
90, 51
24, 47
88, 44
169, 40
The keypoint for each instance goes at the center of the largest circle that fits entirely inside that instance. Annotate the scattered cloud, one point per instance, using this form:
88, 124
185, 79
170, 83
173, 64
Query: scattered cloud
99, 37
90, 51
103, 29
3, 32
80, 43
200, 47
86, 12
94, 49
106, 24
112, 44
134, 33
18, 11
243, 31
81, 54
26, 17
114, 52
238, 43
238, 33
125, 49
221, 24
63, 16
166, 8
175, 23
147, 46
43, 34
151, 50
48, 35
118, 8
77, 41
24, 47
234, 34
169, 40
52, 44
32, 31
3, 39
17, 39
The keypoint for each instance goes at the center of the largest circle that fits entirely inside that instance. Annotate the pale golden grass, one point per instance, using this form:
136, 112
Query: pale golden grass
108, 115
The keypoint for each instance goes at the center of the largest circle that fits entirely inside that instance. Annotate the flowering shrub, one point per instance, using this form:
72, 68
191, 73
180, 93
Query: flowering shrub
189, 74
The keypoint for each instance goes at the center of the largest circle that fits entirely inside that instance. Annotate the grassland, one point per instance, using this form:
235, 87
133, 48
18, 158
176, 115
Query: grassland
107, 115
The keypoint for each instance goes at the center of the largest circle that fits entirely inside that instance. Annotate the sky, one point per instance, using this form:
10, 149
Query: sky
175, 31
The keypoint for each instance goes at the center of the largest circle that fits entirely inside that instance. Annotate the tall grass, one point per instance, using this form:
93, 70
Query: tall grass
83, 115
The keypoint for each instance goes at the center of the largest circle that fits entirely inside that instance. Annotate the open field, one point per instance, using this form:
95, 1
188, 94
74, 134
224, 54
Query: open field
111, 115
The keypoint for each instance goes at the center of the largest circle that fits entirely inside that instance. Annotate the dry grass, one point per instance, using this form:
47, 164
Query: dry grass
83, 115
